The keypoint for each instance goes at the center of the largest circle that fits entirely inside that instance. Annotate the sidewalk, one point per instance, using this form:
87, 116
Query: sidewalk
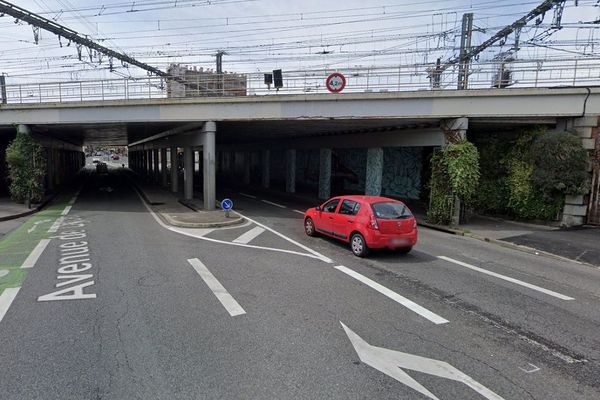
11, 210
580, 244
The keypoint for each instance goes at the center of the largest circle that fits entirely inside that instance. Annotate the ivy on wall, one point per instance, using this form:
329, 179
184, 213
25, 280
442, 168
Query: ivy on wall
528, 176
454, 174
27, 168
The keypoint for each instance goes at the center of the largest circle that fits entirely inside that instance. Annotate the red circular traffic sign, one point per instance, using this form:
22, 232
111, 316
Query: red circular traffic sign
335, 82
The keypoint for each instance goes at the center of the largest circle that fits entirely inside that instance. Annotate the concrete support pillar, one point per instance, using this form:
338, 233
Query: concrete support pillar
208, 165
155, 162
147, 163
163, 167
266, 169
174, 170
374, 171
290, 171
247, 167
188, 172
324, 173
455, 130
50, 169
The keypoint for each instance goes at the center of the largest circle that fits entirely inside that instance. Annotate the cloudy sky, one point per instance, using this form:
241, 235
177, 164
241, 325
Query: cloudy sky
260, 35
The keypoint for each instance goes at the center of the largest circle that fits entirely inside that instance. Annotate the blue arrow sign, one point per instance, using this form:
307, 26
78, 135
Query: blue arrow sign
227, 204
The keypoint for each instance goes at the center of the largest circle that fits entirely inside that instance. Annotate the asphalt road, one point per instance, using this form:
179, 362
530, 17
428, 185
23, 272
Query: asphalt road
264, 312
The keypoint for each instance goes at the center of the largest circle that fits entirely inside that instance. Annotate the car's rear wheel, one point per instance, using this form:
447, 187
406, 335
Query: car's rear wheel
405, 250
309, 227
358, 245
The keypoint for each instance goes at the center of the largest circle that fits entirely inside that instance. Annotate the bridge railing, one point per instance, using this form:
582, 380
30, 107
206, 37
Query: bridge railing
516, 73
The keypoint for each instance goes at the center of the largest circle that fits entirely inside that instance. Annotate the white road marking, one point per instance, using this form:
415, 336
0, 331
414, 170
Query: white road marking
298, 211
411, 305
393, 363
248, 195
247, 237
232, 306
6, 299
35, 254
56, 225
66, 210
507, 278
273, 204
534, 368
188, 232
4, 272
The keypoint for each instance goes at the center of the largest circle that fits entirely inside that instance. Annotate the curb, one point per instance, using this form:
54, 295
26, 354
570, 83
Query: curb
39, 207
502, 243
170, 221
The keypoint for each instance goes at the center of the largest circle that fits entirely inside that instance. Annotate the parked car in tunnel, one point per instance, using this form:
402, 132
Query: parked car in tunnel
365, 222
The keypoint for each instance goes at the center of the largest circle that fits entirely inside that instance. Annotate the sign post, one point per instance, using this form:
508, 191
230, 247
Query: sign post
335, 82
227, 205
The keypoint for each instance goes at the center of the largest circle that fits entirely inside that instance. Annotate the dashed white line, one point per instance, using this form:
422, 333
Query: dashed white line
66, 210
247, 237
230, 304
56, 225
507, 278
35, 254
273, 204
298, 211
6, 299
411, 305
248, 195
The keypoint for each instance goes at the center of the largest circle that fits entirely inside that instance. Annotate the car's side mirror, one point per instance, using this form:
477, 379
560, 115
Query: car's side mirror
318, 208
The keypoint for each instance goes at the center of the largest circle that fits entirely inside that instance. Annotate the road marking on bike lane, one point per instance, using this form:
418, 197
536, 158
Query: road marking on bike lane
507, 278
56, 225
6, 299
226, 299
35, 254
411, 305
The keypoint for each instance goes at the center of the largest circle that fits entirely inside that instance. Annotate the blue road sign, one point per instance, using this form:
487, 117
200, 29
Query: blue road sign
226, 204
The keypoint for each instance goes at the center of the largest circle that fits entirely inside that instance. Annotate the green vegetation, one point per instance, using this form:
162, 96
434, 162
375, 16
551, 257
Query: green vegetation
26, 165
454, 174
528, 176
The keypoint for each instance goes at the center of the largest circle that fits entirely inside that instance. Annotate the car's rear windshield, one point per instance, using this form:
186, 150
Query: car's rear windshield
390, 210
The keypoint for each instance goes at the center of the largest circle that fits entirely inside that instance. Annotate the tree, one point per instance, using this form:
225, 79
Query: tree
26, 165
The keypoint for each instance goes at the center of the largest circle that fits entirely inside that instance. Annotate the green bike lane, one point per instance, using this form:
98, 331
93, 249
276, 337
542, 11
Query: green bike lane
20, 249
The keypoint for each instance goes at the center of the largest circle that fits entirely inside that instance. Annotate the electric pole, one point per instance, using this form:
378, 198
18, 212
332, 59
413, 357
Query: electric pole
3, 89
465, 48
219, 56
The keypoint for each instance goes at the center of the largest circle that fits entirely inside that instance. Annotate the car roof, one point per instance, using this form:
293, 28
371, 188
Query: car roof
369, 199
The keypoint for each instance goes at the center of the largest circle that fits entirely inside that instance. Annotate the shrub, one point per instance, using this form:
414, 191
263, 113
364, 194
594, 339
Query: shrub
26, 166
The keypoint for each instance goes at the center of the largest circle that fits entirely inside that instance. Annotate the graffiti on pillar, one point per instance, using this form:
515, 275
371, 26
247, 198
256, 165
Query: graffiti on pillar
402, 167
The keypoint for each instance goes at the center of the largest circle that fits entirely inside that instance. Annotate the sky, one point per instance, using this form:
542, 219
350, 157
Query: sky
261, 35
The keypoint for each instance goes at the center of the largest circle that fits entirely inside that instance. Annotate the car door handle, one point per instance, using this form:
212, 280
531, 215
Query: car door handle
350, 220
330, 217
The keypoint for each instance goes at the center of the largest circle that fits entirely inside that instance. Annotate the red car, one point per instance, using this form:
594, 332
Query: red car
366, 222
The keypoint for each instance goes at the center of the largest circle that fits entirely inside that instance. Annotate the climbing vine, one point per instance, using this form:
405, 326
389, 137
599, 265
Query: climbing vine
25, 159
454, 174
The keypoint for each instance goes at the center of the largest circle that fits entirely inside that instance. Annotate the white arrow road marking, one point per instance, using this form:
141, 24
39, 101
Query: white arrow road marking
247, 237
6, 299
35, 254
411, 305
35, 224
232, 306
507, 278
390, 363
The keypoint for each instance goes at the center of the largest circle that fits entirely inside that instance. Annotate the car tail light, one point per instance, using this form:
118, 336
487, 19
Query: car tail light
373, 223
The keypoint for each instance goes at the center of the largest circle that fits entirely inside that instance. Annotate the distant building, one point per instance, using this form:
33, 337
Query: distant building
203, 83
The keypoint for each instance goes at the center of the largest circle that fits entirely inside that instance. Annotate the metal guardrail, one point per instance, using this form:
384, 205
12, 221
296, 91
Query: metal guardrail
518, 73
